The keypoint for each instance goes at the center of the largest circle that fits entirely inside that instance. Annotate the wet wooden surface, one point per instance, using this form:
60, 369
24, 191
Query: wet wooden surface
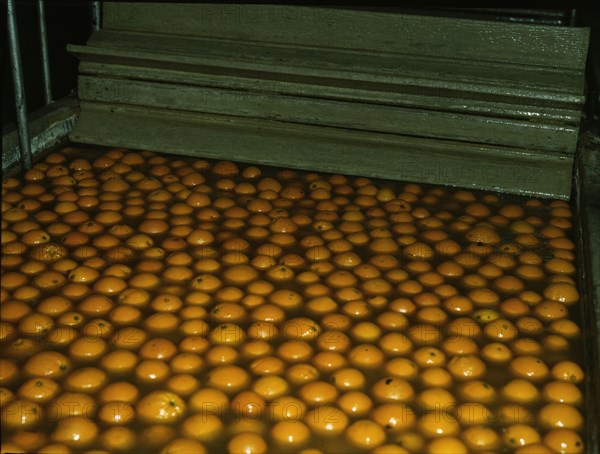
323, 149
485, 91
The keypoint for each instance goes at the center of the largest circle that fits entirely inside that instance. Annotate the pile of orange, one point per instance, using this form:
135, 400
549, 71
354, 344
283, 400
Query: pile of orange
154, 303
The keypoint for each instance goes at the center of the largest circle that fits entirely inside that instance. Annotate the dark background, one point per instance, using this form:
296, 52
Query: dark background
69, 22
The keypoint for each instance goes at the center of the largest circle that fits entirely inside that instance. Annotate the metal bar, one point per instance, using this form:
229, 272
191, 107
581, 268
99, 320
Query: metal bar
20, 102
44, 45
96, 15
572, 17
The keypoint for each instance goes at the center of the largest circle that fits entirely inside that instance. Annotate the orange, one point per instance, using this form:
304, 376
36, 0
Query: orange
551, 310
520, 391
567, 371
161, 406
247, 443
496, 352
426, 357
248, 404
365, 434
280, 273
473, 413
446, 445
228, 378
119, 362
77, 432
87, 348
394, 417
424, 334
432, 315
466, 367
564, 440
318, 393
291, 433
562, 292
480, 438
392, 321
158, 348
366, 356
565, 327
119, 391
48, 364
458, 305
529, 367
459, 345
295, 351
118, 438
436, 377
270, 387
86, 379
326, 421
209, 401
529, 326
560, 416
438, 423
560, 266
116, 413
520, 435
500, 330
483, 234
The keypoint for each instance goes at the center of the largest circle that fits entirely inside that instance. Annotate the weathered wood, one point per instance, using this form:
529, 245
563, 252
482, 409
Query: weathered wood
307, 110
339, 88
324, 149
490, 80
559, 47
47, 126
402, 96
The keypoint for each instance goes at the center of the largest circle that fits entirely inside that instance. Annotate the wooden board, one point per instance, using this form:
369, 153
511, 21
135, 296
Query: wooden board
325, 149
307, 110
432, 37
426, 83
47, 127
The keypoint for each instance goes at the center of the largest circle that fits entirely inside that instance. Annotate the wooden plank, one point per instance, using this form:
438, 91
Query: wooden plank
364, 92
485, 78
491, 91
47, 126
559, 47
325, 112
295, 57
326, 149
179, 74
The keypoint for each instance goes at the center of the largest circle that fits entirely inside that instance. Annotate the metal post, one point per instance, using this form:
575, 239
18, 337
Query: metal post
572, 17
45, 58
20, 103
96, 15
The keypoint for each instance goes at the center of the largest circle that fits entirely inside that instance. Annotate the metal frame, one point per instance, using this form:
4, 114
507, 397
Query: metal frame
63, 112
17, 70
96, 15
41, 7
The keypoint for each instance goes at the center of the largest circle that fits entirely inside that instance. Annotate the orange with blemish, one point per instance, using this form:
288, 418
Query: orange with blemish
500, 330
567, 371
562, 292
548, 311
366, 356
560, 416
459, 345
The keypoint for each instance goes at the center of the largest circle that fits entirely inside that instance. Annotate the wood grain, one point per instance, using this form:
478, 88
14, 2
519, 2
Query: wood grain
323, 27
409, 90
315, 111
326, 149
